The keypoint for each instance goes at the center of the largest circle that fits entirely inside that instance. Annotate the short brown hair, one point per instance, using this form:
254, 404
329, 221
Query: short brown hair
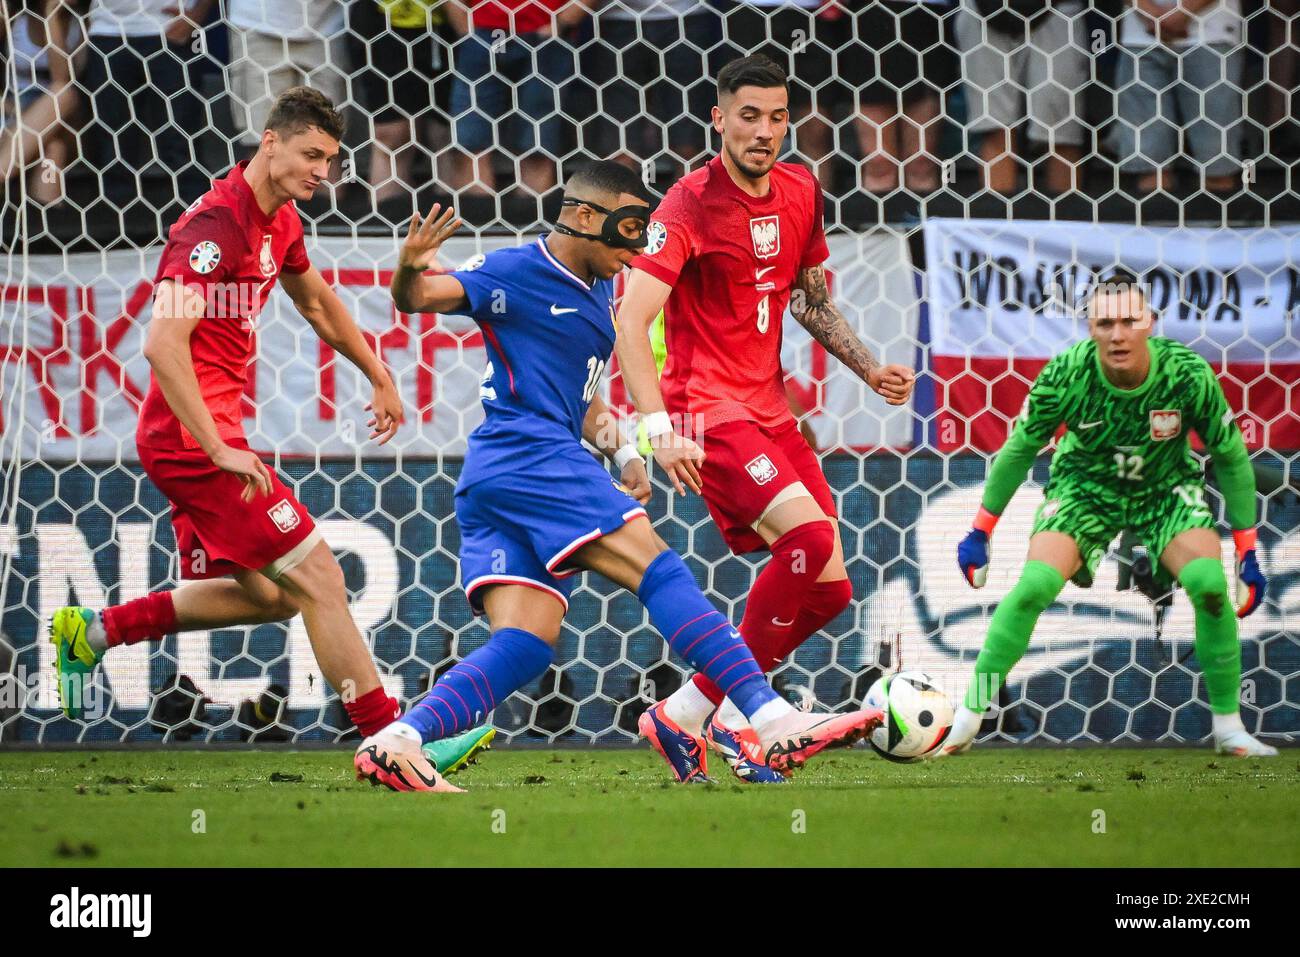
754, 70
301, 107
1117, 282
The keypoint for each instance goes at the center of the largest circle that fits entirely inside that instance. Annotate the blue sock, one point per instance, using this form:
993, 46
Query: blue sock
701, 634
467, 692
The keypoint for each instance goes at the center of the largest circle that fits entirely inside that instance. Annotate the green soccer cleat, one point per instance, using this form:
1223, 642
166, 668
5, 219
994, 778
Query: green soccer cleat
449, 755
74, 659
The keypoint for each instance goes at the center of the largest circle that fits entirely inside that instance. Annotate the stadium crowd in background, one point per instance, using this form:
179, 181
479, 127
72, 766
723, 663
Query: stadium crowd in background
143, 101
1028, 70
39, 55
145, 108
1192, 66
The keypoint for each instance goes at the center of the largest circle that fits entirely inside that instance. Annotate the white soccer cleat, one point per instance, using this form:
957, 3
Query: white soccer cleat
1242, 744
965, 725
948, 749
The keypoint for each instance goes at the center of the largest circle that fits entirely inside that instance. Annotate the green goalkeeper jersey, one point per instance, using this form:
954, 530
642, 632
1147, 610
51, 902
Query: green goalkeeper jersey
1133, 442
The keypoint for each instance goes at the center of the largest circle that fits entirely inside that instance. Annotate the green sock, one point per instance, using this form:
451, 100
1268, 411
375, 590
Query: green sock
1217, 647
1009, 630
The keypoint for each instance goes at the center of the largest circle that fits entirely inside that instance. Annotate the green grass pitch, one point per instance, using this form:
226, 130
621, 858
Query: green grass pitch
996, 806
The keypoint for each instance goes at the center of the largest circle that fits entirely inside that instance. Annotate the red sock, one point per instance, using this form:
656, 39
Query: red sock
144, 619
373, 711
822, 604
779, 593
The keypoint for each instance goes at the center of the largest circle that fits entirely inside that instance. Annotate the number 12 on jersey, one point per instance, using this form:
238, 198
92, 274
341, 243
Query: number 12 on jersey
1129, 466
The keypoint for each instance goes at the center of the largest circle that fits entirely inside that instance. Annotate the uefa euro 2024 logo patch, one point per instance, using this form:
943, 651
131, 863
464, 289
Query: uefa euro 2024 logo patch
656, 234
204, 257
283, 514
761, 469
1165, 424
766, 233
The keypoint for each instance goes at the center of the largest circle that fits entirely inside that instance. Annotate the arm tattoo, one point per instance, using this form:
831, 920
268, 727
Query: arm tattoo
811, 305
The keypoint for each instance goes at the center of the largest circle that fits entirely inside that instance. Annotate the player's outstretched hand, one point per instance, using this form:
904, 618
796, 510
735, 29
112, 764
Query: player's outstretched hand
680, 458
386, 412
1251, 583
893, 382
973, 557
636, 480
250, 469
425, 236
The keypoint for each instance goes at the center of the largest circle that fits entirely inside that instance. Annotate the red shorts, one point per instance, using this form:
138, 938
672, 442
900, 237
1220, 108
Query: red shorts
217, 532
746, 466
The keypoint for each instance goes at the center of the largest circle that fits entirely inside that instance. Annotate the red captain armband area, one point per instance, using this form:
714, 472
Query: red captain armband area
985, 521
1244, 539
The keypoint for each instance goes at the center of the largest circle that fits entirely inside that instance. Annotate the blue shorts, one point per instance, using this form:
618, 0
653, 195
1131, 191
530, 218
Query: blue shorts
521, 528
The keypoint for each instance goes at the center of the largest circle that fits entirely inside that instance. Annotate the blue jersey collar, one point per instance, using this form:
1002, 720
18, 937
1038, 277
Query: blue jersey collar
570, 274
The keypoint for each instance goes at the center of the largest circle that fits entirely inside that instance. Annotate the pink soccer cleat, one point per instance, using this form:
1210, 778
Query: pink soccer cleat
799, 736
397, 763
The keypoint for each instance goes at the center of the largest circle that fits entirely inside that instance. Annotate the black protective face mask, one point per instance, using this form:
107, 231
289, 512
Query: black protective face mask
610, 234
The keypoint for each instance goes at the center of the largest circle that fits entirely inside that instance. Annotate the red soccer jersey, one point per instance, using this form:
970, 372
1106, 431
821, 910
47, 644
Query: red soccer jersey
732, 260
231, 252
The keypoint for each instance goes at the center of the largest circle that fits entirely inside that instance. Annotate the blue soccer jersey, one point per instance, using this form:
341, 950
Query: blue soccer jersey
548, 337
530, 495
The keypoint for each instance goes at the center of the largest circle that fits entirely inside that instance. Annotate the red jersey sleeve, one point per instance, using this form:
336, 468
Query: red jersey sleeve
295, 257
203, 250
671, 237
816, 251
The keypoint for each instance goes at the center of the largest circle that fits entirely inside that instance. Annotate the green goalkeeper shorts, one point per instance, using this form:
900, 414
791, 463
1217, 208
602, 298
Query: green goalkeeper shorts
1093, 514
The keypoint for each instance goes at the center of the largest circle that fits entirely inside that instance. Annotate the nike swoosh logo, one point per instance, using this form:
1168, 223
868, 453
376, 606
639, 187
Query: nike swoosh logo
424, 778
782, 624
1090, 425
72, 645
557, 311
760, 273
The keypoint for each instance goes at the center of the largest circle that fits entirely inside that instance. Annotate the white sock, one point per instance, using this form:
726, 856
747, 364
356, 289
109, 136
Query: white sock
729, 715
688, 708
96, 636
965, 724
765, 717
403, 731
1226, 724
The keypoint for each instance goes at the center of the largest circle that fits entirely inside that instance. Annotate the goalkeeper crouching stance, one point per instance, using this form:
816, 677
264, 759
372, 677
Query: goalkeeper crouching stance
1128, 400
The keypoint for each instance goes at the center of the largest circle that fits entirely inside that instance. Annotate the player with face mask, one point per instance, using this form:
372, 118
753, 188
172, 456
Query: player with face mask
535, 508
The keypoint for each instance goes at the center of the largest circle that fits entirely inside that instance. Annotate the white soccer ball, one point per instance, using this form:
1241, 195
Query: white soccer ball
918, 715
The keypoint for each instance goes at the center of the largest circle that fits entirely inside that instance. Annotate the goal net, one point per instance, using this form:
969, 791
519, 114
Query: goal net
983, 163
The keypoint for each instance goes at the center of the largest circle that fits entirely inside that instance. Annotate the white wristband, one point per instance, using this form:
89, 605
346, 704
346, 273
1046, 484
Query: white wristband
657, 424
626, 454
